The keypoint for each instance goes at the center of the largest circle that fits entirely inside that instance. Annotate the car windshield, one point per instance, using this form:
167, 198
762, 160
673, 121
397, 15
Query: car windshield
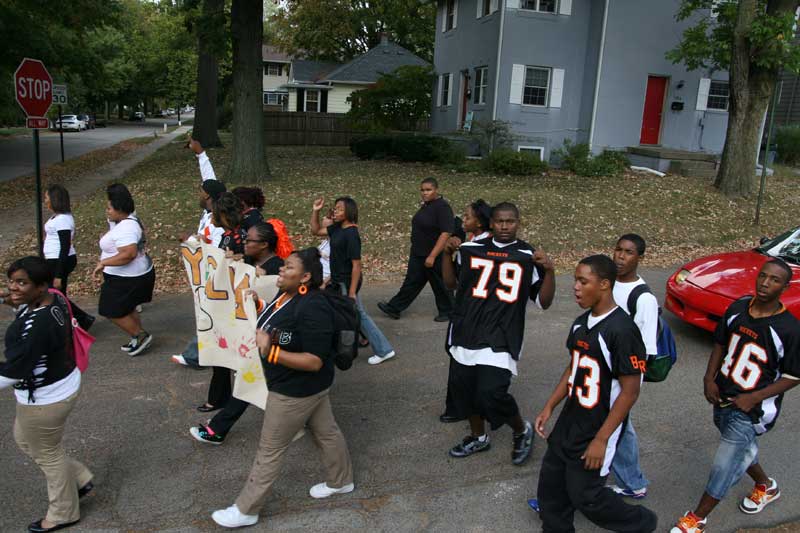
67, 117
785, 246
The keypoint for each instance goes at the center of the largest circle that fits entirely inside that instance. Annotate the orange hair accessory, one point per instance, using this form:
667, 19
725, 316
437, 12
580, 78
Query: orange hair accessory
285, 247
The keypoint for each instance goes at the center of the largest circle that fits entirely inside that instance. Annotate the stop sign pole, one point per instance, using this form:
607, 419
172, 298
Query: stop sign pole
33, 87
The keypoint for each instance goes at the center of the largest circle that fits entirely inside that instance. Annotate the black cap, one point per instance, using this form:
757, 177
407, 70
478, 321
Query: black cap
214, 188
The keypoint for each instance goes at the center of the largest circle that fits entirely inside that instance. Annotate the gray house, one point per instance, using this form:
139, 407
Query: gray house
591, 71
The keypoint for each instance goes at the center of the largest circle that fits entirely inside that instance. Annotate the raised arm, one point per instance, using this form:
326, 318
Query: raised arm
316, 226
206, 170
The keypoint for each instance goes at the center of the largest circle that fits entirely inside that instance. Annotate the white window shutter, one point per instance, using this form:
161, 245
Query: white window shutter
702, 94
517, 79
450, 90
455, 14
512, 4
479, 8
444, 16
557, 87
439, 91
566, 7
493, 6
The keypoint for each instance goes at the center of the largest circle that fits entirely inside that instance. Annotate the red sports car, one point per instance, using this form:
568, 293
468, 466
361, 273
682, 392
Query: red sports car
701, 291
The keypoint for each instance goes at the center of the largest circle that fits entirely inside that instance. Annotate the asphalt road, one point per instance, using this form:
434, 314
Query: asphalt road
131, 428
16, 153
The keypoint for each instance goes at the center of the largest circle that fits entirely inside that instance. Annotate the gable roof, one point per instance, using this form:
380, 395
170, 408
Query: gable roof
367, 68
304, 70
274, 54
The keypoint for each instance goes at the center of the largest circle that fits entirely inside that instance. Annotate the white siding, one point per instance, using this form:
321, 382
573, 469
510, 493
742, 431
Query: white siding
512, 4
273, 82
337, 98
702, 94
292, 106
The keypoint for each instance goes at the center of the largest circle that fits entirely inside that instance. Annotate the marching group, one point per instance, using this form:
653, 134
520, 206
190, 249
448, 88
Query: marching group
483, 277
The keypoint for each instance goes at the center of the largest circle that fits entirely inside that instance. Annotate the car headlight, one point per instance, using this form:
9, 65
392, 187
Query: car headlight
681, 276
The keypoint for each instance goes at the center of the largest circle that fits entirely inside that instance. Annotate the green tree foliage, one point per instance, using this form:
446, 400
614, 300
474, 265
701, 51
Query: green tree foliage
339, 30
397, 101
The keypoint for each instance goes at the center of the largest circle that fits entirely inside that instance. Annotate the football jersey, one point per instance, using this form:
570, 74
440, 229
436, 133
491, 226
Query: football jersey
495, 282
612, 348
758, 352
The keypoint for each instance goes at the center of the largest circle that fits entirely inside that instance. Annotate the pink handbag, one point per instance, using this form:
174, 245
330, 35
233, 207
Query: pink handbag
81, 339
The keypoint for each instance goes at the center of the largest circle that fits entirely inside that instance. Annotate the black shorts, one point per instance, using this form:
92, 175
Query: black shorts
482, 390
119, 295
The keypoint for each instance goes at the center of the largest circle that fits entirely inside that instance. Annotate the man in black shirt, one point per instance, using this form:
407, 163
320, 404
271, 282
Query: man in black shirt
755, 359
600, 384
431, 226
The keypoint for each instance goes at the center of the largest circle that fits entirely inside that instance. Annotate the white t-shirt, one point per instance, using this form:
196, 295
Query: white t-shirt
325, 258
55, 392
646, 312
56, 223
211, 234
124, 233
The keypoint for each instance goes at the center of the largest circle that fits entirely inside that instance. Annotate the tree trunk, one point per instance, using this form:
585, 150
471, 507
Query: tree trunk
205, 113
751, 88
249, 164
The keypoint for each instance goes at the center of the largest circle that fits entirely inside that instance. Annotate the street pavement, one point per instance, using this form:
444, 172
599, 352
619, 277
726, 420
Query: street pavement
131, 428
16, 153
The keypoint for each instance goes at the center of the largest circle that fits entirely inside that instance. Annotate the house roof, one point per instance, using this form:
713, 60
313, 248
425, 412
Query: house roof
367, 68
274, 54
304, 70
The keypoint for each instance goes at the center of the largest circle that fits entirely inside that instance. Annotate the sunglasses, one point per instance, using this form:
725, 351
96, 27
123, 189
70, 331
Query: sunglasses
253, 240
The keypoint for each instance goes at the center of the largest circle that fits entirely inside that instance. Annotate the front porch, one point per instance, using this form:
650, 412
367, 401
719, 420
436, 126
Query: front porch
681, 162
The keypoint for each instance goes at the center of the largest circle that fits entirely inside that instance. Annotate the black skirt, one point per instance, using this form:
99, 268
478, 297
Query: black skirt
119, 295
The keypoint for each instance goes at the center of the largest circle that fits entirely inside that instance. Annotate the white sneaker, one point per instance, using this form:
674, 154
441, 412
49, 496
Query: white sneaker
179, 359
689, 523
760, 497
233, 517
377, 359
636, 494
323, 490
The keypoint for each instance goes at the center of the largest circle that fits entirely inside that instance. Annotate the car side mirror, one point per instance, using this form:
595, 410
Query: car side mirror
762, 240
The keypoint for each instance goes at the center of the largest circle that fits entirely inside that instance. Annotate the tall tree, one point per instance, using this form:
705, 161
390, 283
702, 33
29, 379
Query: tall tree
752, 39
249, 162
210, 28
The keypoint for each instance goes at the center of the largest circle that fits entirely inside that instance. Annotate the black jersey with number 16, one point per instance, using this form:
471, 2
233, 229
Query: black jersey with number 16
495, 283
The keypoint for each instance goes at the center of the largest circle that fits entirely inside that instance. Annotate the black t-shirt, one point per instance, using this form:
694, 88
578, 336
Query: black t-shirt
345, 247
432, 219
272, 266
613, 347
303, 324
494, 286
250, 218
759, 351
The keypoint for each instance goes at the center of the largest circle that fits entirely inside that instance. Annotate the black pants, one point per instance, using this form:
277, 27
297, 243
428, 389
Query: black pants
417, 275
220, 390
224, 420
449, 404
482, 390
565, 486
69, 265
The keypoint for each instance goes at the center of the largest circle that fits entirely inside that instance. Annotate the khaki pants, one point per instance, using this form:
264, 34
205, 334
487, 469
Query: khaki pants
283, 418
38, 430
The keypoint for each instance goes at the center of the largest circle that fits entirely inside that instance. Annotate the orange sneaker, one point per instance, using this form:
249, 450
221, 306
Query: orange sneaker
761, 496
689, 523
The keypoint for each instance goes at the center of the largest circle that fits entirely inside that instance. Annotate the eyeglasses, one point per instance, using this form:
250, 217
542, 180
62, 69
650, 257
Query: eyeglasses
253, 240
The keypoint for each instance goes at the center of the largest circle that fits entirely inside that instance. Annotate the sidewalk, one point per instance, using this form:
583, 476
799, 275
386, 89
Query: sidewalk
23, 218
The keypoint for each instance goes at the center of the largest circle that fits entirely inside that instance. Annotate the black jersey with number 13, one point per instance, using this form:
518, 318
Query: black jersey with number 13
495, 283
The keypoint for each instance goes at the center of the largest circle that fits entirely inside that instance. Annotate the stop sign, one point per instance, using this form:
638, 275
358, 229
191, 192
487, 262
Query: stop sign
33, 87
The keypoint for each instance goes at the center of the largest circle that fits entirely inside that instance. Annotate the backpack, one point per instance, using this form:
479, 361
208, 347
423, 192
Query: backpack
659, 365
346, 325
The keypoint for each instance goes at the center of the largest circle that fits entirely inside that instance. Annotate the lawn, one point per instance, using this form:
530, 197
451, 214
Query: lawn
569, 216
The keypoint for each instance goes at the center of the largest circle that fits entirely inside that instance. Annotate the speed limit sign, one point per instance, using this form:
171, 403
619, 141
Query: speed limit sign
60, 94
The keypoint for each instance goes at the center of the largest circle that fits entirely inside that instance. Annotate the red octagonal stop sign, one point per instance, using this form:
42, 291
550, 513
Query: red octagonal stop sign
33, 87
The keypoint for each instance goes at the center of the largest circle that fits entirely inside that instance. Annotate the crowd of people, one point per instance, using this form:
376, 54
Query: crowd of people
483, 277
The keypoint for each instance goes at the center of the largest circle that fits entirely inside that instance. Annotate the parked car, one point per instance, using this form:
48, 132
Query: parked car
170, 111
69, 123
164, 113
700, 291
137, 116
88, 121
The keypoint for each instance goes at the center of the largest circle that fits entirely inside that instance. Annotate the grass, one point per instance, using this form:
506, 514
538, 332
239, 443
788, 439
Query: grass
568, 216
8, 132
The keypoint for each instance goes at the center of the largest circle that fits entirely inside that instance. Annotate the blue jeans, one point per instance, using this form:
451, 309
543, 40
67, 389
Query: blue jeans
371, 331
625, 466
192, 354
738, 450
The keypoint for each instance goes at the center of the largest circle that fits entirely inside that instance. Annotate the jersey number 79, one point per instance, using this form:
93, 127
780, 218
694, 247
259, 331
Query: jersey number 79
509, 275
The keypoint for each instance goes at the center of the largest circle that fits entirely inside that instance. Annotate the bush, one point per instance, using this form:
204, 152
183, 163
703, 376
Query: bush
788, 141
578, 159
425, 148
506, 161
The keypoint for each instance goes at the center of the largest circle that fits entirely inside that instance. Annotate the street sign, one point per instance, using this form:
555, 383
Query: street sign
33, 87
38, 123
60, 95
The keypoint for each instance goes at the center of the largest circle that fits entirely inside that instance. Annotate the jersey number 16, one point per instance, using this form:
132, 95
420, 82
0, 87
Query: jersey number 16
508, 274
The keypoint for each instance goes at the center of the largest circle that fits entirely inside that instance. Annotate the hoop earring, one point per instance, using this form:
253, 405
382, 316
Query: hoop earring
302, 290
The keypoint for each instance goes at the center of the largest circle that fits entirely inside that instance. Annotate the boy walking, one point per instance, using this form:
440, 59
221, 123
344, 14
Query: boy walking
600, 384
755, 359
498, 276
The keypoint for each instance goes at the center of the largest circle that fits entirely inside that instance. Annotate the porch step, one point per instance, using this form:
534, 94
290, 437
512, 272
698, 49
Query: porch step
693, 168
669, 153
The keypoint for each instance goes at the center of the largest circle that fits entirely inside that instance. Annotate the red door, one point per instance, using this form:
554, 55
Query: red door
653, 109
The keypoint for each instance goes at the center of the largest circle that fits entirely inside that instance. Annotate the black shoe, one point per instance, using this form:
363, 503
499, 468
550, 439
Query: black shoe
469, 446
36, 527
383, 306
523, 445
140, 343
86, 489
87, 322
206, 408
442, 318
449, 419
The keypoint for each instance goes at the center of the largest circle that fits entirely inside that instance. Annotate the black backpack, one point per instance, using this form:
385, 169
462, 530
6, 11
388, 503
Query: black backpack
346, 325
659, 365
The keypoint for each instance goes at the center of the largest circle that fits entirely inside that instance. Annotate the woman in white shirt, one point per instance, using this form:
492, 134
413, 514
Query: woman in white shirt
58, 247
41, 367
128, 272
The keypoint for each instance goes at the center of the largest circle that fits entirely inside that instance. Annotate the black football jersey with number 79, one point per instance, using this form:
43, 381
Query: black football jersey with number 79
599, 355
495, 283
